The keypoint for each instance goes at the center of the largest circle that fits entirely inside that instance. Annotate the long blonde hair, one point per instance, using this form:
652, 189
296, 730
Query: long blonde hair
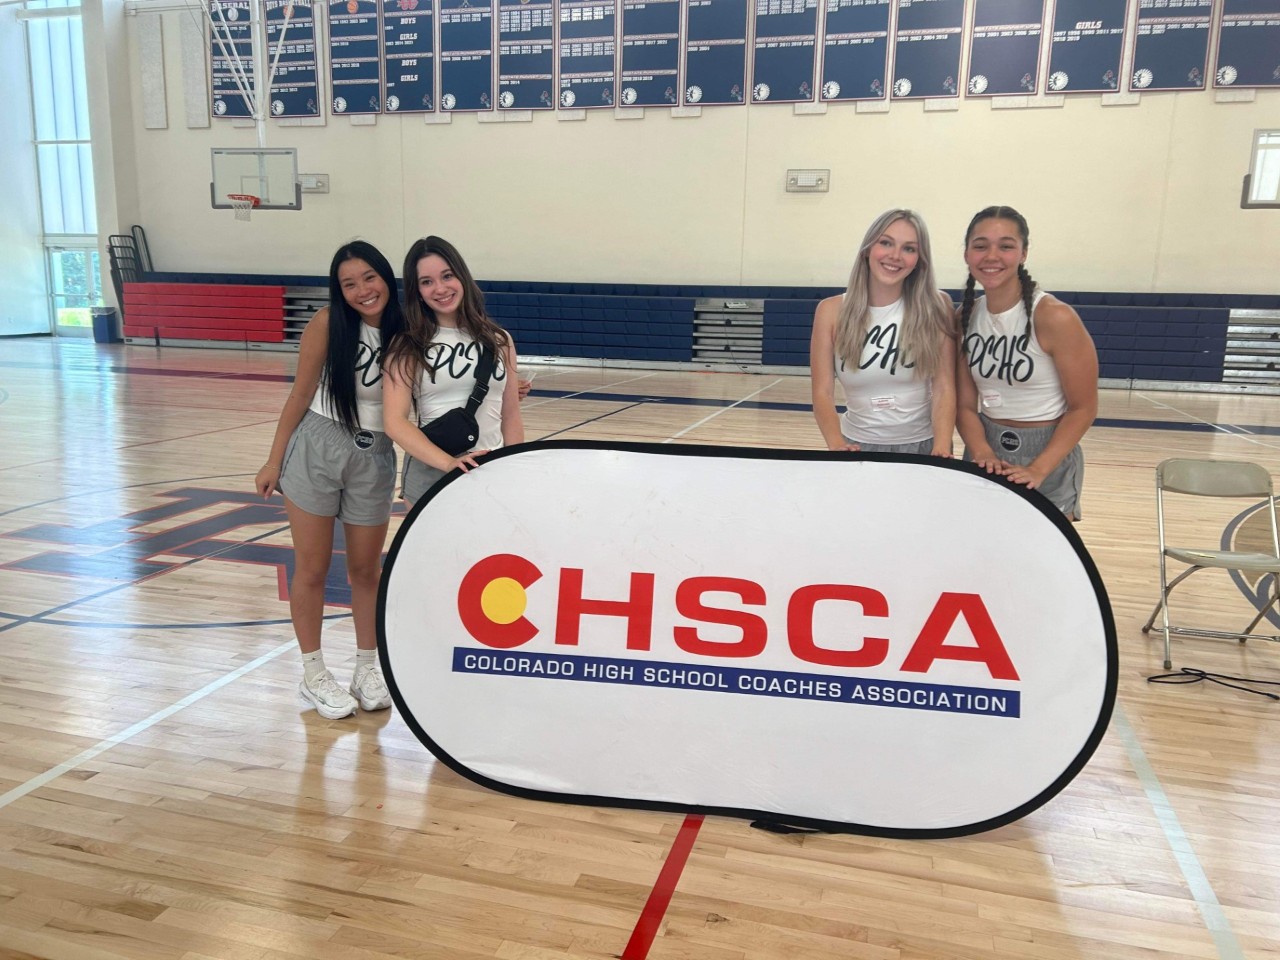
926, 316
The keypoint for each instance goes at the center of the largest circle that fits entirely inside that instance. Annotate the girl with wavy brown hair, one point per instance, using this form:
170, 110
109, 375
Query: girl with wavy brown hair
431, 366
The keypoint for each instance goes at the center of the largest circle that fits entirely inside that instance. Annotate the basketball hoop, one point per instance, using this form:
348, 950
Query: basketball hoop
243, 204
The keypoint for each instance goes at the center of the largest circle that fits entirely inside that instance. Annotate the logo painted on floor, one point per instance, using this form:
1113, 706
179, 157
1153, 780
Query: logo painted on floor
120, 549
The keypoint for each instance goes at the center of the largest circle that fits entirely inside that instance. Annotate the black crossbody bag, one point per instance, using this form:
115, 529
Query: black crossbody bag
456, 431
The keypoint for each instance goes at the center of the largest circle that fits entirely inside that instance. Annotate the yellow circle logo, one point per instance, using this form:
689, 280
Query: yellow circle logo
503, 600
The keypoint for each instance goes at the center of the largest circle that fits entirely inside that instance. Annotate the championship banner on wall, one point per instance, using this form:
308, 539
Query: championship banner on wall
896, 646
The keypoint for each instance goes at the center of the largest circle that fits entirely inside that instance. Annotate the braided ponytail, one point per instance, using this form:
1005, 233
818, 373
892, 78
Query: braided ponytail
966, 307
1028, 290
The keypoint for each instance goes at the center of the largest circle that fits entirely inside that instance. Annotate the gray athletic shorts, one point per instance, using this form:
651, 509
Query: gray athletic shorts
418, 479
330, 473
920, 446
1021, 445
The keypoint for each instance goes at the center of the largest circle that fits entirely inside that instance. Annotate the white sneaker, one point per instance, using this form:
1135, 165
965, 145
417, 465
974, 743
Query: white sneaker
370, 689
329, 699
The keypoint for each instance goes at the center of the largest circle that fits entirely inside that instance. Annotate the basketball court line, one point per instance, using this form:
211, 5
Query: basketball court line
547, 398
707, 419
1192, 423
1231, 429
603, 416
655, 908
128, 733
1215, 920
116, 489
1210, 908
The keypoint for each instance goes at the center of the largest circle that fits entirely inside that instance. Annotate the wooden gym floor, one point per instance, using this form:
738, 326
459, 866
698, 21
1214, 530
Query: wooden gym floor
163, 794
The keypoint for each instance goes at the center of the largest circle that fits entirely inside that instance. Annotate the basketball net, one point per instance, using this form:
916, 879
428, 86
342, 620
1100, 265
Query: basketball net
243, 204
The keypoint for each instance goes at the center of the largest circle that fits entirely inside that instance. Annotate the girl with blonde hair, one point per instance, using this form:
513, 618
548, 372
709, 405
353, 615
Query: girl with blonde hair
889, 340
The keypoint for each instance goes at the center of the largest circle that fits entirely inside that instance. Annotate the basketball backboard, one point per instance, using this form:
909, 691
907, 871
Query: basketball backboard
268, 173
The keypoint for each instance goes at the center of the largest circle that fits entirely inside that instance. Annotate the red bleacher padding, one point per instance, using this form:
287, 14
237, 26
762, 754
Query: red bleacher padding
205, 311
148, 310
149, 302
191, 333
205, 289
213, 323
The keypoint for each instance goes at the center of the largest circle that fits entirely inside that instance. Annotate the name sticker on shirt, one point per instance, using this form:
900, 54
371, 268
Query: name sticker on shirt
884, 403
992, 398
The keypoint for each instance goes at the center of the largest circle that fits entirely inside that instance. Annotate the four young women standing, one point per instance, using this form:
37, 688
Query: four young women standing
1021, 389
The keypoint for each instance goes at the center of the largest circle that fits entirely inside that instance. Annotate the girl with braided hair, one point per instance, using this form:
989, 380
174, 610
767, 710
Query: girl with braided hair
1027, 377
889, 341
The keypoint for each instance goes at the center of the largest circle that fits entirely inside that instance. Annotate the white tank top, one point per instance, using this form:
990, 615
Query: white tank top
454, 356
1016, 379
884, 400
368, 382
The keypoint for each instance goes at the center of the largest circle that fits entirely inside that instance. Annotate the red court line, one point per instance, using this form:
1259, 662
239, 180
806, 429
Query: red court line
656, 907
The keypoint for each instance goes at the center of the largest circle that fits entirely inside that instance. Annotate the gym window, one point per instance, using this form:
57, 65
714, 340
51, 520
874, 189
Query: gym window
1262, 182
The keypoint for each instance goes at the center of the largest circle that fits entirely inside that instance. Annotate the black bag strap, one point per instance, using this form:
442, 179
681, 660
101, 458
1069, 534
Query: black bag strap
483, 372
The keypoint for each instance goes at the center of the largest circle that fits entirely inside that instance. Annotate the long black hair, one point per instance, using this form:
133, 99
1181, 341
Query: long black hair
407, 353
344, 330
1024, 278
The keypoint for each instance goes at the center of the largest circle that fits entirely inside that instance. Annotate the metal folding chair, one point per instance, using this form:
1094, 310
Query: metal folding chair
1215, 478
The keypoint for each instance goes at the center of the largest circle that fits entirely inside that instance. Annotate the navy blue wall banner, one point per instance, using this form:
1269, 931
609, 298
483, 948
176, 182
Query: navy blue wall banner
1088, 38
526, 54
1249, 44
291, 30
408, 55
588, 53
355, 66
230, 41
1172, 44
715, 52
926, 58
855, 50
786, 47
650, 53
889, 645
1004, 51
466, 55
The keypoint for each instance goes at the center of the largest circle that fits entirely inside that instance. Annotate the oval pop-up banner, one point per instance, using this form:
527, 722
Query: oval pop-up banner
897, 646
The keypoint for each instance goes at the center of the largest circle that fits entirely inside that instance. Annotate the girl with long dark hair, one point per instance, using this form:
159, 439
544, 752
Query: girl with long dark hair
331, 459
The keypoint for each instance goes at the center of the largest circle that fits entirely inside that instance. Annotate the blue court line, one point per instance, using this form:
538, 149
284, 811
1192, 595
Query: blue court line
784, 406
1215, 920
1264, 430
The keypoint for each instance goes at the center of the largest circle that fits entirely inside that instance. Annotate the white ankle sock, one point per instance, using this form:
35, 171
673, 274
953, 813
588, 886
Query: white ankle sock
312, 665
366, 658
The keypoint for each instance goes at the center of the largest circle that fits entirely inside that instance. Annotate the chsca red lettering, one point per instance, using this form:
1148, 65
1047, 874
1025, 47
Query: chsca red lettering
492, 600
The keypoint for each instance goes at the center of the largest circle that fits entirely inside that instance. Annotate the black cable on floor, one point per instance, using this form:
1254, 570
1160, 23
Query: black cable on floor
1195, 675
